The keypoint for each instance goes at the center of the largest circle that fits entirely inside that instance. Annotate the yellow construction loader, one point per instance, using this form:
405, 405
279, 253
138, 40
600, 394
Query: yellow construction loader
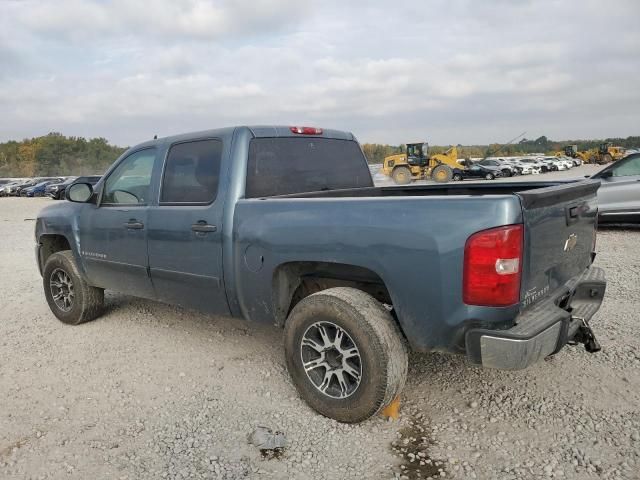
605, 153
416, 164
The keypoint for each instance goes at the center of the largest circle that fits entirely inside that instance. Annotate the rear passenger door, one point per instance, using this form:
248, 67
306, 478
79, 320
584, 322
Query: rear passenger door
185, 228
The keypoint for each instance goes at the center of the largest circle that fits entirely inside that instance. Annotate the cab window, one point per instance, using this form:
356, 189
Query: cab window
129, 183
192, 172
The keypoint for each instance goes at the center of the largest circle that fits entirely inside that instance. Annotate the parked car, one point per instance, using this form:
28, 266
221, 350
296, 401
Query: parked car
505, 169
567, 162
545, 165
476, 171
575, 161
284, 226
31, 182
561, 164
619, 193
16, 189
530, 166
514, 164
91, 179
7, 189
552, 163
38, 190
57, 190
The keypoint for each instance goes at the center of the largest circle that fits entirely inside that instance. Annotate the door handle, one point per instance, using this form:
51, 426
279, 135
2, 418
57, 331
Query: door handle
203, 227
133, 224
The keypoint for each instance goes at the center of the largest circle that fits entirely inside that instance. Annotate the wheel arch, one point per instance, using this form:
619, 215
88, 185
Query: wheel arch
49, 244
294, 281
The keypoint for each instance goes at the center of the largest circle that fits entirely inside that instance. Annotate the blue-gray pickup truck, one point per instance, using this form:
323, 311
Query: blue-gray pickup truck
283, 225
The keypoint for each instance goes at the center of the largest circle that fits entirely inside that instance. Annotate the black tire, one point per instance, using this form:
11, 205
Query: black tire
401, 175
489, 176
382, 356
86, 302
605, 158
456, 177
442, 174
506, 172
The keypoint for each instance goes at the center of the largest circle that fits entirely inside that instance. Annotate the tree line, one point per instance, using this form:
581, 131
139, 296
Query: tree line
56, 154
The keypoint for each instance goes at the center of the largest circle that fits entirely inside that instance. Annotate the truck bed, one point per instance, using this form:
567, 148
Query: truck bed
413, 238
496, 188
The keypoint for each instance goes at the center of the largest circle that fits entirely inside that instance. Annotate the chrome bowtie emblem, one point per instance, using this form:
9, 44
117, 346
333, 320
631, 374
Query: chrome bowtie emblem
570, 242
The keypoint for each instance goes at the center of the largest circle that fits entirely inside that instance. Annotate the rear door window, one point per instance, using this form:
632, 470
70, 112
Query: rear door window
191, 173
280, 166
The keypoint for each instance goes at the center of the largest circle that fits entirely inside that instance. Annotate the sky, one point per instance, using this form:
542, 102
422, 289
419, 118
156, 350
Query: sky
445, 71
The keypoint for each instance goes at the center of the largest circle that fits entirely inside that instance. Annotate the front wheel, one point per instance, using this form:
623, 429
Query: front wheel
489, 176
70, 298
457, 177
402, 175
345, 354
606, 158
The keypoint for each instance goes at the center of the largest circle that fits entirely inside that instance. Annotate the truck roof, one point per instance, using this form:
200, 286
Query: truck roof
258, 131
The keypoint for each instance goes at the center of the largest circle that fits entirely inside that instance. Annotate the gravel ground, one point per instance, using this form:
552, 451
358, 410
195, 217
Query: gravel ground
153, 391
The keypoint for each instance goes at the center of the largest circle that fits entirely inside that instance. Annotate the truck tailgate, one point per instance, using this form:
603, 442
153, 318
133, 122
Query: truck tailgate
560, 225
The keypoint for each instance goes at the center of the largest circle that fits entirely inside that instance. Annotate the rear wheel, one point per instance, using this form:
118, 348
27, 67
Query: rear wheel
457, 177
442, 174
489, 176
345, 354
402, 175
70, 298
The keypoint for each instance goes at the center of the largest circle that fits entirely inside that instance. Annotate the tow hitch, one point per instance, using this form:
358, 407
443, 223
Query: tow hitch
586, 336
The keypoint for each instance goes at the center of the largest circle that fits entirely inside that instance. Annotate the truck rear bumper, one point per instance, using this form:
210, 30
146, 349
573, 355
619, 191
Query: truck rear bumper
541, 330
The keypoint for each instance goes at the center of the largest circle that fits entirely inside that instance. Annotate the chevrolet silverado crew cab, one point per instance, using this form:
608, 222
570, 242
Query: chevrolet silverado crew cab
283, 225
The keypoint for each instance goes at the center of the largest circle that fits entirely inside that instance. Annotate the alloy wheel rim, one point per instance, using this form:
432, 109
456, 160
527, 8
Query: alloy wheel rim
62, 291
331, 360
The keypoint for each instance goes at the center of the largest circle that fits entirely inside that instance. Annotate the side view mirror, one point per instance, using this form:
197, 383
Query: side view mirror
607, 174
79, 192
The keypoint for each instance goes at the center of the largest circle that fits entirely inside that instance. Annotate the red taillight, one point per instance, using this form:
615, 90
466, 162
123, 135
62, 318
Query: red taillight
306, 130
492, 266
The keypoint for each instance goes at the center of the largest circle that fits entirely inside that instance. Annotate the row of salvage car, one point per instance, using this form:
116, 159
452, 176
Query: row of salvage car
491, 168
53, 187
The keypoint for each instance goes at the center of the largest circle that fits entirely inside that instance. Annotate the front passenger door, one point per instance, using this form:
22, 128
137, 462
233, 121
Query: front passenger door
113, 240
